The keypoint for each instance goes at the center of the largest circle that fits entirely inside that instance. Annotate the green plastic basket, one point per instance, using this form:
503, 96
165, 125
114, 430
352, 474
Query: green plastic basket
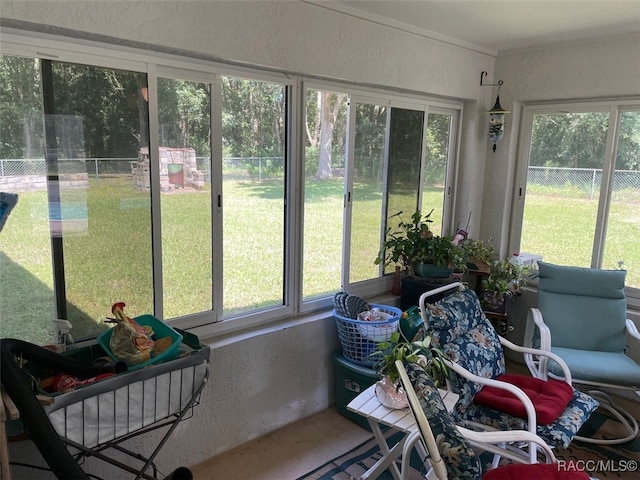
160, 330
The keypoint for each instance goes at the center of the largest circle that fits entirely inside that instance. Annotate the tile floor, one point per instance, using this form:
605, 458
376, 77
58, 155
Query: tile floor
287, 453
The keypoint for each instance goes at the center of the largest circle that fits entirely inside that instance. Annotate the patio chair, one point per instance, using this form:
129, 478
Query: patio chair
581, 317
450, 448
491, 399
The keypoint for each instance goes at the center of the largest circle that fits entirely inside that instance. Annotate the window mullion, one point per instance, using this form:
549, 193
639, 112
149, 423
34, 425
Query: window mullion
216, 196
608, 169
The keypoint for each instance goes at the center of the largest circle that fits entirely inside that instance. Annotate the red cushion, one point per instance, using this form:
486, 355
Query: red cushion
537, 471
549, 398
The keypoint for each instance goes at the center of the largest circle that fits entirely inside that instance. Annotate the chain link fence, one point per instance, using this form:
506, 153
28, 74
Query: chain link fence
585, 181
582, 181
95, 167
251, 168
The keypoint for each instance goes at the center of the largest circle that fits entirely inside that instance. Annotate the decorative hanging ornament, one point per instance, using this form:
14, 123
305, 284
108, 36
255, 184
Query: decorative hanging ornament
496, 114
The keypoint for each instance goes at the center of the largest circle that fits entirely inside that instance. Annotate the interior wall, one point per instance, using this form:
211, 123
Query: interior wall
261, 382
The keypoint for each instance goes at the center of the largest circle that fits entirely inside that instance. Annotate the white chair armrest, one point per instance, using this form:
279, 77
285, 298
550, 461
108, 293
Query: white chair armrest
526, 401
540, 353
538, 366
632, 329
480, 439
545, 334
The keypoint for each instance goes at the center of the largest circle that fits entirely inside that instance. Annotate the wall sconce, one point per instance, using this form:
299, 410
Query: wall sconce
496, 114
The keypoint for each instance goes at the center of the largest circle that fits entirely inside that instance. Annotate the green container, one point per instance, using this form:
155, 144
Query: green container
351, 380
160, 330
176, 174
411, 324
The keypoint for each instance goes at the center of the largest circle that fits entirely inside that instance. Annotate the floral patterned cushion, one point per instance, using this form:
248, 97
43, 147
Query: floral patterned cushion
558, 433
457, 454
461, 329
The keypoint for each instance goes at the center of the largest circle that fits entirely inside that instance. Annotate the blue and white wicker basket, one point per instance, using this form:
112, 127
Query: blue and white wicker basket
359, 338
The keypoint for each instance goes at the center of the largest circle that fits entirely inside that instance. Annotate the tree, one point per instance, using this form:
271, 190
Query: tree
20, 100
320, 132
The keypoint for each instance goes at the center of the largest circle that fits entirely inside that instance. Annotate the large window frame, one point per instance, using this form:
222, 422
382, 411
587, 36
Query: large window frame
614, 109
198, 70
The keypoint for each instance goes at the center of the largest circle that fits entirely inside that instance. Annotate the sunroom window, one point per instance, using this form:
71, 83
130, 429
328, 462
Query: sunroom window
79, 238
582, 176
194, 192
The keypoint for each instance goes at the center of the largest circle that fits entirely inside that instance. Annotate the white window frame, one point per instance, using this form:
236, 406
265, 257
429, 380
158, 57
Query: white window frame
155, 64
615, 107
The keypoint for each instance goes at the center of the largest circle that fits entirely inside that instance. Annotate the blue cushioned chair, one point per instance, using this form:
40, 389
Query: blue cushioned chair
581, 317
462, 331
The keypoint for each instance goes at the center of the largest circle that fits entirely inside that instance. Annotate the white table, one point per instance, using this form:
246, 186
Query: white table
368, 405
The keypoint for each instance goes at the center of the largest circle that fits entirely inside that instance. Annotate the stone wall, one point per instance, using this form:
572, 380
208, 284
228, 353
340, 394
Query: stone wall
34, 183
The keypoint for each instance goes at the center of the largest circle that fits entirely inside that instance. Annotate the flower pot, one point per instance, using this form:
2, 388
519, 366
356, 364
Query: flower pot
390, 395
479, 265
396, 289
430, 270
496, 302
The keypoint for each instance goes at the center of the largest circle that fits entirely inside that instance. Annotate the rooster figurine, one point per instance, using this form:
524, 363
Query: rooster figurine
129, 340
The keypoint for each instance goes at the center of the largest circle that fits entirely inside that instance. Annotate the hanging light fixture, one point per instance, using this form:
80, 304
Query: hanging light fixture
496, 114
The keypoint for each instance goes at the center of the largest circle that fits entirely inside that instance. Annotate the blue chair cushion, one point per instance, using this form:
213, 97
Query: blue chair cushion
461, 329
458, 455
558, 433
585, 308
602, 367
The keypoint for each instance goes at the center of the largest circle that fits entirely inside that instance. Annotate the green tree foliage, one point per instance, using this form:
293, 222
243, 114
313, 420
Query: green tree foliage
252, 112
110, 104
579, 140
438, 127
370, 141
20, 99
184, 115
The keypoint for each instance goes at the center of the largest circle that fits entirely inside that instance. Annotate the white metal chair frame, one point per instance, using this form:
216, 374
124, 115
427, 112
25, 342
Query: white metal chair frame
538, 366
508, 448
491, 441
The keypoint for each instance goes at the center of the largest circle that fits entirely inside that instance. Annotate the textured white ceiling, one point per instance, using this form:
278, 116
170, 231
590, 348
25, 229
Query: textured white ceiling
501, 25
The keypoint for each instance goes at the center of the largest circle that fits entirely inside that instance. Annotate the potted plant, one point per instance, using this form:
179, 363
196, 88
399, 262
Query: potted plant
477, 254
504, 280
422, 352
413, 246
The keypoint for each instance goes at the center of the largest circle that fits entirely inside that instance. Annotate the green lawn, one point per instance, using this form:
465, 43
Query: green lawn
110, 260
561, 227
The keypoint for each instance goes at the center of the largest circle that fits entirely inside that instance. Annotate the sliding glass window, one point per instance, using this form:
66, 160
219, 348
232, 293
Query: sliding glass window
582, 177
184, 161
253, 149
189, 192
324, 174
80, 233
366, 161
